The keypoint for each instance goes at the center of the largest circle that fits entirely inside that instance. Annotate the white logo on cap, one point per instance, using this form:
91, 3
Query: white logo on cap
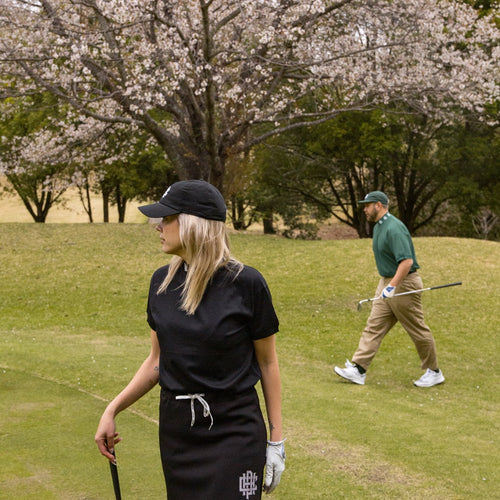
166, 192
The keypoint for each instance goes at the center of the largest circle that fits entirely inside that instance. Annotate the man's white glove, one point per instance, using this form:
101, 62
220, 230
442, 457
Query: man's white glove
275, 464
388, 291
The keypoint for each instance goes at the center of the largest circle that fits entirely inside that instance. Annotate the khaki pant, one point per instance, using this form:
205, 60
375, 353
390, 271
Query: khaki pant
386, 312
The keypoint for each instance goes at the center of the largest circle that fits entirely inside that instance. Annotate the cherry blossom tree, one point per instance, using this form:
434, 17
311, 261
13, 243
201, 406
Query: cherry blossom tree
209, 79
46, 148
27, 126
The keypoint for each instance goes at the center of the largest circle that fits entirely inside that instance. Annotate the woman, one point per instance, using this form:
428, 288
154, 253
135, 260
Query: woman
213, 337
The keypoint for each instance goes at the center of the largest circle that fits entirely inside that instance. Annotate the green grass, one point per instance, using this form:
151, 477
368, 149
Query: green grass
73, 331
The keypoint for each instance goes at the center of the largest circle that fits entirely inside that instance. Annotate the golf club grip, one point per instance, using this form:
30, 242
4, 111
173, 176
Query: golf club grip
116, 482
444, 286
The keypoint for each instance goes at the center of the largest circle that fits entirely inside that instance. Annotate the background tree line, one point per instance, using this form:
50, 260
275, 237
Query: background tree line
441, 179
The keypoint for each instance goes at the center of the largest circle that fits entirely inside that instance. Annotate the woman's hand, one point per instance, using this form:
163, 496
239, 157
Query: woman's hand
106, 437
275, 465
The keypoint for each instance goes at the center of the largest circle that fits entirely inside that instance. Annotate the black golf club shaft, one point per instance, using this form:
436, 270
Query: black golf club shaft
114, 475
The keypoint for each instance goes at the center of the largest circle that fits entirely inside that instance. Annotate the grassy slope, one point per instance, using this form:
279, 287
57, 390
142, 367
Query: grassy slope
72, 301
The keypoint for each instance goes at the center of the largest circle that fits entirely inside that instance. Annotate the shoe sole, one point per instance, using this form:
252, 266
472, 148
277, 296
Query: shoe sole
432, 385
346, 378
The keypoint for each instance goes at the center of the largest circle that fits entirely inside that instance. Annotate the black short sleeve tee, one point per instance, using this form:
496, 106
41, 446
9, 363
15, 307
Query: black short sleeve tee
211, 350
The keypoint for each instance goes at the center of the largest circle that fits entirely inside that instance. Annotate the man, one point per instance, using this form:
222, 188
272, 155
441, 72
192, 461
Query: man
397, 265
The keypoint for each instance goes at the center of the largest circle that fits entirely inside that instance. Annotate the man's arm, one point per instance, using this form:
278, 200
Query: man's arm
403, 269
401, 272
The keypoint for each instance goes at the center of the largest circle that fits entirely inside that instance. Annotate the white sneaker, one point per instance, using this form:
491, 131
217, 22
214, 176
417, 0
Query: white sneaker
351, 373
430, 378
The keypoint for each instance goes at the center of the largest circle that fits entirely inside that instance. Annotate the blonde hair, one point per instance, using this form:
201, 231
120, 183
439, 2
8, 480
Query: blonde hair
206, 247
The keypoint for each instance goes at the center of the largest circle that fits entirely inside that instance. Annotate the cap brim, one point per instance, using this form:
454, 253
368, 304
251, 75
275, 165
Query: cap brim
157, 210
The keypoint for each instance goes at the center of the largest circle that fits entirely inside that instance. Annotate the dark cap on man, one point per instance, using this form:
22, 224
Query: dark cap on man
375, 196
193, 197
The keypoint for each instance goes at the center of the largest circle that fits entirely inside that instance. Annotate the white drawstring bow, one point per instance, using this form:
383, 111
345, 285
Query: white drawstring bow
206, 407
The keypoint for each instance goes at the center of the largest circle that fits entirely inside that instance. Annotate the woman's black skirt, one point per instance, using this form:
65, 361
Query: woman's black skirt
220, 461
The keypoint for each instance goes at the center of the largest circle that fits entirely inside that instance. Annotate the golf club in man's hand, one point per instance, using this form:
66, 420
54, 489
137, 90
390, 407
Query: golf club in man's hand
386, 293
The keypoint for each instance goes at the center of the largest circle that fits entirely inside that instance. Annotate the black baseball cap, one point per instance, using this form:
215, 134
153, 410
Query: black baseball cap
375, 196
193, 197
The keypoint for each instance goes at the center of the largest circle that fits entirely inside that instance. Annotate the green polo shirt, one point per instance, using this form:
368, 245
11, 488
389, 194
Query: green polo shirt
392, 243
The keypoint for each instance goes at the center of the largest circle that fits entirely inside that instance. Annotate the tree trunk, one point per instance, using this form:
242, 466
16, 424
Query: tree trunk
89, 203
121, 203
105, 205
267, 220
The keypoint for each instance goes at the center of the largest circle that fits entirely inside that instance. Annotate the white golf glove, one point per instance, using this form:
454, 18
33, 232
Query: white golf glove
275, 464
388, 291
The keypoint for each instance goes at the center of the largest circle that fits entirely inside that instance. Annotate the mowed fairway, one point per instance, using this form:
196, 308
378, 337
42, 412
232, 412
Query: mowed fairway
73, 331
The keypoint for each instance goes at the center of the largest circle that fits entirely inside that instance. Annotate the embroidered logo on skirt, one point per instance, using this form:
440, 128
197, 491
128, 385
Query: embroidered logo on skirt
248, 483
